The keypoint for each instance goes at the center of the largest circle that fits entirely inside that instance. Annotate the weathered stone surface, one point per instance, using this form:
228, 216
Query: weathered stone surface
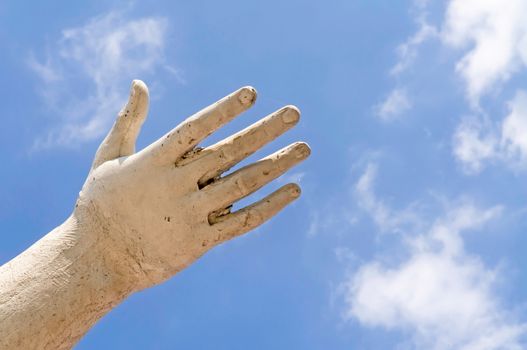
142, 217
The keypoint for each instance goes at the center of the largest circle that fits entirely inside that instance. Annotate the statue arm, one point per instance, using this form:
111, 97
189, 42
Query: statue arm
141, 217
53, 293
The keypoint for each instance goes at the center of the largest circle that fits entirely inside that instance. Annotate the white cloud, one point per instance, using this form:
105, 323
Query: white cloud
386, 219
396, 103
408, 51
495, 33
477, 140
514, 129
102, 56
43, 70
491, 36
444, 302
437, 292
442, 296
474, 143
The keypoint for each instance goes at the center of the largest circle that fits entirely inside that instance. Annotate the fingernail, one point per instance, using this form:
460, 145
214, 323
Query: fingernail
294, 190
290, 115
247, 95
138, 86
302, 150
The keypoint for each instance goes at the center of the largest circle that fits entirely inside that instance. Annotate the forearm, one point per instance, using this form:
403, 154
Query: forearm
53, 293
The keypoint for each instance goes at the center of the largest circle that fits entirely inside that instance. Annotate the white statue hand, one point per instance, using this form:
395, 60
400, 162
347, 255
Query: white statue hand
142, 217
161, 208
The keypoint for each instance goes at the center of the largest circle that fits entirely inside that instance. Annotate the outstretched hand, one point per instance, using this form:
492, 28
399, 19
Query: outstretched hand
157, 210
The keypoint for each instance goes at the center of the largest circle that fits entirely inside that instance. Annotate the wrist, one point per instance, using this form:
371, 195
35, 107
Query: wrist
110, 272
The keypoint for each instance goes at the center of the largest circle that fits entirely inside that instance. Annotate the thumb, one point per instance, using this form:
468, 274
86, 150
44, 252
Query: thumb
120, 141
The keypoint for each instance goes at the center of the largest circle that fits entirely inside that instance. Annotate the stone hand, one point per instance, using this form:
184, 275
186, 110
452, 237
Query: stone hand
142, 217
155, 211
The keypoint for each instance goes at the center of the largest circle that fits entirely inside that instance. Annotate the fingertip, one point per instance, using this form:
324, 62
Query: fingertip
302, 149
247, 96
139, 87
293, 190
290, 114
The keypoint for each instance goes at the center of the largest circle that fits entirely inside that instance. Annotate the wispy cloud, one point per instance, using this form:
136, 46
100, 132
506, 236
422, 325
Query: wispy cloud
478, 141
493, 34
514, 129
398, 100
386, 218
475, 143
407, 51
395, 104
434, 289
441, 295
85, 75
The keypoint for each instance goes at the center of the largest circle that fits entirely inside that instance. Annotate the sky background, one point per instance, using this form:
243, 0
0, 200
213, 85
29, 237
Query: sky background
410, 233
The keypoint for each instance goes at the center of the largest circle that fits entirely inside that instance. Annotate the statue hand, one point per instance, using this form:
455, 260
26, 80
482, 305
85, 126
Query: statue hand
158, 210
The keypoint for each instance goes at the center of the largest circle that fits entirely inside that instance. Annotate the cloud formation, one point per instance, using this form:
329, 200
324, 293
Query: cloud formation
395, 104
444, 297
407, 51
493, 34
387, 219
85, 75
475, 143
398, 100
478, 140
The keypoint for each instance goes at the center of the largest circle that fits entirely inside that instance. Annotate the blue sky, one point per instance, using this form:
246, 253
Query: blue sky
410, 233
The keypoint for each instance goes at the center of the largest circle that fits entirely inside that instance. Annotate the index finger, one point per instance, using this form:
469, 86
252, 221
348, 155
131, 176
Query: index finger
184, 137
